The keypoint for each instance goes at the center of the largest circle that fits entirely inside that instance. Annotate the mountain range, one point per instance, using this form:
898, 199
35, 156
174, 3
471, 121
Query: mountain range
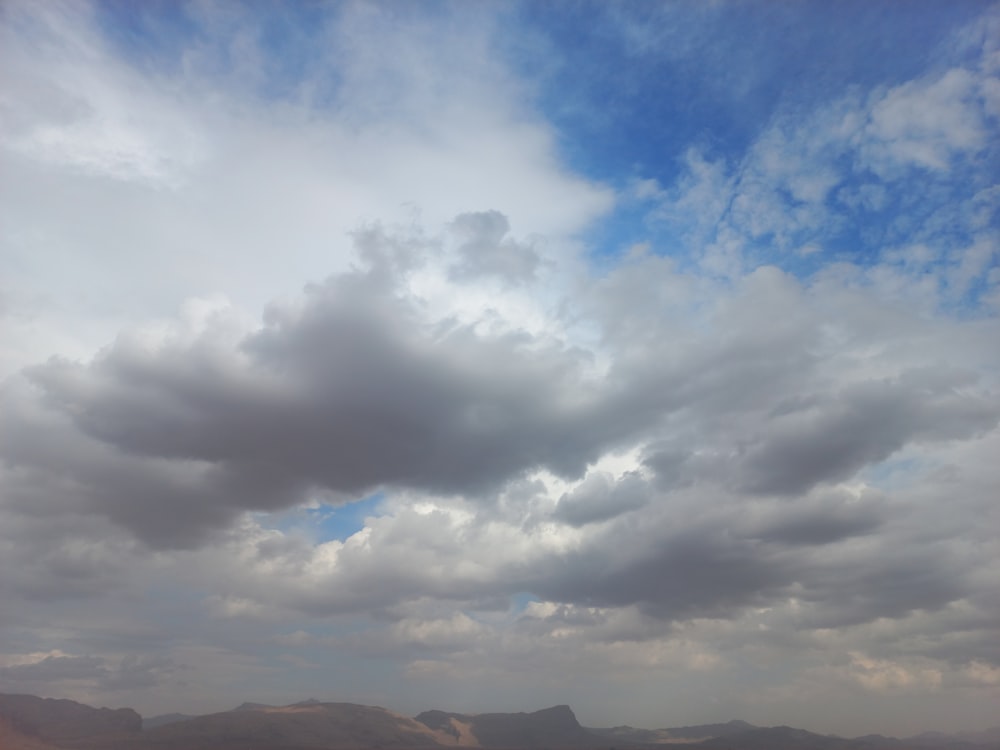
28, 722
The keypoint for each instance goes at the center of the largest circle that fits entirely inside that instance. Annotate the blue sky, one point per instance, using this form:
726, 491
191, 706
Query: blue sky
639, 356
634, 88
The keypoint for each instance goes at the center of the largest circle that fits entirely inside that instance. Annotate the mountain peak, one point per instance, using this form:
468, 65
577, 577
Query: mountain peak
57, 720
552, 727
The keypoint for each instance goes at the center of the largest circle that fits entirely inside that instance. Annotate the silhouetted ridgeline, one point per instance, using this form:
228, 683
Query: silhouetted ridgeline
31, 723
62, 722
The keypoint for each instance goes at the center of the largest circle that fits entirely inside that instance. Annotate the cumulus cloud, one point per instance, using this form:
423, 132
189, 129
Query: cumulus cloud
815, 441
838, 175
347, 392
183, 150
50, 673
478, 441
739, 464
599, 498
483, 249
928, 123
353, 389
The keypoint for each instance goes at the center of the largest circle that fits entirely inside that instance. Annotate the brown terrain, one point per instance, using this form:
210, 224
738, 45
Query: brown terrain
551, 727
31, 723
13, 739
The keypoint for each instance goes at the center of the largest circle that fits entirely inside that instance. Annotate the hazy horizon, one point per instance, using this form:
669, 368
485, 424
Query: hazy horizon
636, 356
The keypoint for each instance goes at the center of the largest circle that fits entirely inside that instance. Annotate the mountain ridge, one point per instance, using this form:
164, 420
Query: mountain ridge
58, 720
550, 726
32, 723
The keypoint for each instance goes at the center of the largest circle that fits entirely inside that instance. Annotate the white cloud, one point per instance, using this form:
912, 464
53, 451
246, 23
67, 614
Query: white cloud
724, 451
927, 123
882, 674
207, 157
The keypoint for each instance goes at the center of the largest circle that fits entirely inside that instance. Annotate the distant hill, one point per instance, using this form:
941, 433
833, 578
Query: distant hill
31, 723
705, 731
62, 722
672, 735
308, 725
690, 734
987, 736
550, 727
938, 739
776, 738
13, 739
739, 735
312, 724
631, 735
159, 721
789, 738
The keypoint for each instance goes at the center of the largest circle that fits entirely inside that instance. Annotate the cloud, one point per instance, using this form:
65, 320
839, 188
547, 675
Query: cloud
182, 149
878, 674
67, 107
928, 123
599, 498
349, 391
483, 250
762, 434
52, 672
819, 441
822, 519
354, 388
836, 175
56, 668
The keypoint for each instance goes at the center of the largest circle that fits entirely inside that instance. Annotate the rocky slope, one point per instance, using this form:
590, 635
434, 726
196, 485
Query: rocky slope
13, 739
31, 723
672, 735
550, 727
65, 723
302, 725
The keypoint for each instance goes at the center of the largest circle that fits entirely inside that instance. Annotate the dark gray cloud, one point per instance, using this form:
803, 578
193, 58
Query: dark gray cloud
791, 444
873, 583
706, 552
484, 249
52, 672
357, 387
599, 498
830, 438
54, 669
698, 573
134, 672
349, 392
827, 519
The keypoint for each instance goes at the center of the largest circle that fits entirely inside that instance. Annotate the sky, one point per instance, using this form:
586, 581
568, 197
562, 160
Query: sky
638, 356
